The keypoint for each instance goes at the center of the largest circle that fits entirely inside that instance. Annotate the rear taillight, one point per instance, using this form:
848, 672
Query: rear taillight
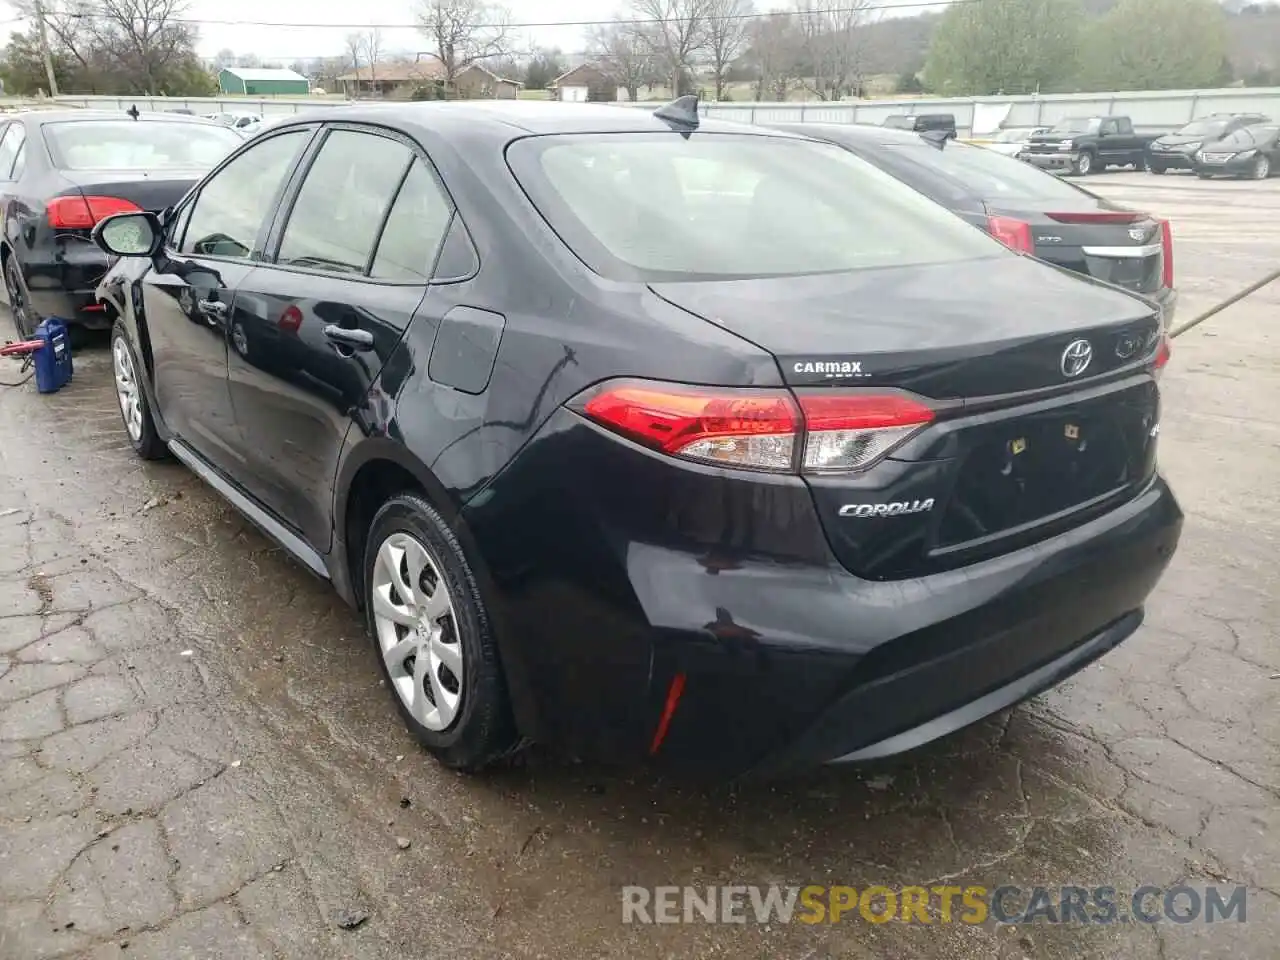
1107, 216
853, 430
83, 213
754, 429
1014, 234
1166, 248
1163, 353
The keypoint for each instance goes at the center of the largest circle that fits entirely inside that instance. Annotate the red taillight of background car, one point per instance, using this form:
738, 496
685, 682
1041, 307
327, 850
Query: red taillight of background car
1166, 245
83, 213
1014, 234
754, 429
1164, 353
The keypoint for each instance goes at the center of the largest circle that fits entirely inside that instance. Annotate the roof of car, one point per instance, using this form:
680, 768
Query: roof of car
511, 118
869, 132
42, 117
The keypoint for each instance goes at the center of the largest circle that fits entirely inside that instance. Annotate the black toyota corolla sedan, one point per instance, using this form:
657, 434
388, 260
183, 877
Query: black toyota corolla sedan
641, 436
1249, 153
1025, 208
61, 171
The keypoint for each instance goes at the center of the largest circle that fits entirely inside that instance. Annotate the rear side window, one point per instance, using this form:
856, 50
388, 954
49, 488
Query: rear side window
415, 229
985, 173
229, 213
1248, 137
721, 206
343, 202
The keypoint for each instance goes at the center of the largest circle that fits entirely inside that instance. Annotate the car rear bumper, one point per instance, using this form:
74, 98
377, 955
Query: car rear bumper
726, 639
64, 283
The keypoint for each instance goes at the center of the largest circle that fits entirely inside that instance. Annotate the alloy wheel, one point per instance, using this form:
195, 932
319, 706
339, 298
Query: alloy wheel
17, 302
127, 389
1084, 164
417, 630
1261, 168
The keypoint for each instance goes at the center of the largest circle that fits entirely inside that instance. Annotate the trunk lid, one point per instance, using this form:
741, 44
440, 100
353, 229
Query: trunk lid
1096, 238
1023, 444
152, 190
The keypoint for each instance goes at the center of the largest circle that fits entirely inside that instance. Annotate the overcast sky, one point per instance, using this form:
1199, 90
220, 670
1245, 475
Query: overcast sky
301, 42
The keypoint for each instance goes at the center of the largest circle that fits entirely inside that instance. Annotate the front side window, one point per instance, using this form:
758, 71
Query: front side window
12, 139
343, 202
233, 205
1076, 126
663, 206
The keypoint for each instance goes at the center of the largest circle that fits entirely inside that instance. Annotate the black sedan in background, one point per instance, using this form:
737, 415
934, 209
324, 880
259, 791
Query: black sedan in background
1025, 208
63, 171
1251, 153
1177, 150
645, 435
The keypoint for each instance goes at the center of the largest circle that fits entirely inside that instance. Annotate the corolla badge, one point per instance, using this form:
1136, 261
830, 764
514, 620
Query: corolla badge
1076, 358
897, 509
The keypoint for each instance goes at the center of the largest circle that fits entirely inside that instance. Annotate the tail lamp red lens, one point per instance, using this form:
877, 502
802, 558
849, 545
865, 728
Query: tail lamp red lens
1014, 234
84, 212
1166, 247
1164, 353
770, 430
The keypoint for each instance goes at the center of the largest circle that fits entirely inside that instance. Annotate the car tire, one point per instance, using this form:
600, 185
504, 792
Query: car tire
465, 721
135, 410
1084, 164
1204, 176
25, 319
1261, 168
1157, 168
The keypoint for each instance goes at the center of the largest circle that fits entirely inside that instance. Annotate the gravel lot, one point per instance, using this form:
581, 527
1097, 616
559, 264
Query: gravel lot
196, 759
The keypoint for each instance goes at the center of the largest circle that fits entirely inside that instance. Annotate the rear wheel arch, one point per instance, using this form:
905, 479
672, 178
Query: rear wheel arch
370, 476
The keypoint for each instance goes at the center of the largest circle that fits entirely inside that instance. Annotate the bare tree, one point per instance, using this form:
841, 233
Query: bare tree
832, 35
371, 42
675, 30
624, 55
464, 32
776, 48
727, 22
143, 37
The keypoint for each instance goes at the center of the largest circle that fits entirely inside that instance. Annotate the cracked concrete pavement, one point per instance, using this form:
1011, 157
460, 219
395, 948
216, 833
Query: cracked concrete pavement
197, 760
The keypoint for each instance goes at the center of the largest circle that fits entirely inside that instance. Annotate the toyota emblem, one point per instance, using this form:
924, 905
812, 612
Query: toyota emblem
1076, 358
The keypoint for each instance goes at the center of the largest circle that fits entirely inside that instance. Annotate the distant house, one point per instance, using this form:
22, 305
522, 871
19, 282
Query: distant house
263, 82
584, 82
404, 80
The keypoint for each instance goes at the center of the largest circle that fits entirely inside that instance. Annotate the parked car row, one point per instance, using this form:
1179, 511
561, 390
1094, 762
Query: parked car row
650, 436
63, 171
1236, 145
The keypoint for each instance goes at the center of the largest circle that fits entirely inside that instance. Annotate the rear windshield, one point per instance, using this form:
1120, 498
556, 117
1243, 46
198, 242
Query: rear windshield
1204, 128
1077, 125
1249, 136
987, 174
137, 144
665, 207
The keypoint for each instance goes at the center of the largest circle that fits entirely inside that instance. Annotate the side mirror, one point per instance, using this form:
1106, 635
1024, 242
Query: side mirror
129, 234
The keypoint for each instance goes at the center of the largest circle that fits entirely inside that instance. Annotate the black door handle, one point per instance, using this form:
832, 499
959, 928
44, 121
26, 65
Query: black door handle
353, 338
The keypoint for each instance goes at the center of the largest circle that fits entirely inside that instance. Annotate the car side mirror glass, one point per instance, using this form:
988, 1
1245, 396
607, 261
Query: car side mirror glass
128, 234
